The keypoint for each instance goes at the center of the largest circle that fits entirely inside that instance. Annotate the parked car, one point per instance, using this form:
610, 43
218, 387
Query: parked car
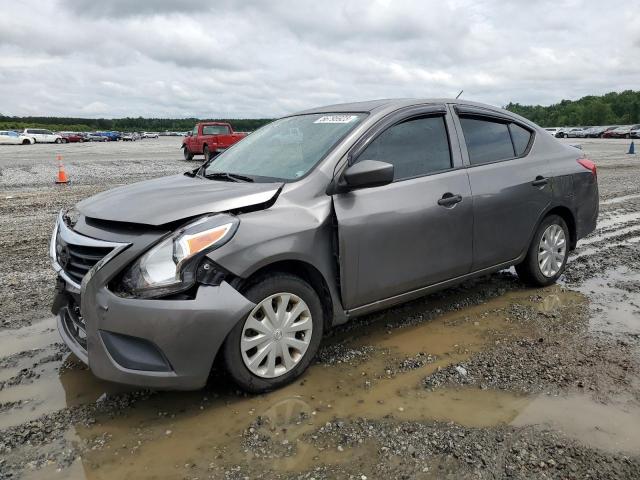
149, 135
42, 135
552, 131
130, 137
570, 132
622, 132
111, 136
596, 132
71, 137
9, 137
635, 132
95, 137
209, 139
583, 132
251, 257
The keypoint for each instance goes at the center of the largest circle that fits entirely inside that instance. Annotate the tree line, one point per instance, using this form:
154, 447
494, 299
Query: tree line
610, 109
128, 124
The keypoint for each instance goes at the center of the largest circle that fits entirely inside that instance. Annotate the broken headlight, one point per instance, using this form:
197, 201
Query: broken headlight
170, 266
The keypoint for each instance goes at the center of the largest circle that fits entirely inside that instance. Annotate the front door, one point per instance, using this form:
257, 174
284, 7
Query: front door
413, 232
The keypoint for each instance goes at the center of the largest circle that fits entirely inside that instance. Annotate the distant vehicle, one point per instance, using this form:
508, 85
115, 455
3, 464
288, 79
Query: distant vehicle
9, 137
571, 132
584, 132
41, 135
635, 132
209, 139
623, 131
111, 136
95, 137
149, 135
597, 132
553, 131
71, 137
130, 137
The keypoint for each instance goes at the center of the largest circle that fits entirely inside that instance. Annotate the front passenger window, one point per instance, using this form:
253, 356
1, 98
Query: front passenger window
415, 147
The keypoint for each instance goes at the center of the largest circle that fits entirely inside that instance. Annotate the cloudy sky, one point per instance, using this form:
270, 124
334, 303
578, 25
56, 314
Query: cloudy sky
251, 58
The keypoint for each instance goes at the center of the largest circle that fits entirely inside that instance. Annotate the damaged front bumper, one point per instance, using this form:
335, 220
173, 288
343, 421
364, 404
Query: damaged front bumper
154, 343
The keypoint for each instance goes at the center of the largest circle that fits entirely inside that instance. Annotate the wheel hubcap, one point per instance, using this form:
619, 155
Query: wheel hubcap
552, 250
276, 335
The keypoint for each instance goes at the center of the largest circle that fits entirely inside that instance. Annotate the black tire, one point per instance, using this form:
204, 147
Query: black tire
187, 154
529, 270
206, 153
564, 135
627, 136
58, 140
26, 142
256, 292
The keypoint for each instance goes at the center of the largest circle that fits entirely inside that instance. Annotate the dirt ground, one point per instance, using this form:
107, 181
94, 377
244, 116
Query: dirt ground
486, 380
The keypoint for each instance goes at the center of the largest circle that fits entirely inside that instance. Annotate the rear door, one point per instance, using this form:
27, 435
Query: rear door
510, 186
400, 237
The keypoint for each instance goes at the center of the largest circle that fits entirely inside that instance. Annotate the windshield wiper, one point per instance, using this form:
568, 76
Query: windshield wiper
230, 177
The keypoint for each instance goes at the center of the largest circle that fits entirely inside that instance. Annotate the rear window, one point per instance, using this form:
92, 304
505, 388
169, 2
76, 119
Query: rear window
215, 130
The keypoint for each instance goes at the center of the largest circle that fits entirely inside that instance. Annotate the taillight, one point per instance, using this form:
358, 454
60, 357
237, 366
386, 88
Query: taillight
589, 165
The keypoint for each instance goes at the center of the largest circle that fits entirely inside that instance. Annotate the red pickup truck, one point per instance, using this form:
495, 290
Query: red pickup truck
209, 139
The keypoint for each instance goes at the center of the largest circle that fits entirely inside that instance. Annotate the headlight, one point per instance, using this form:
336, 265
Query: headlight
170, 266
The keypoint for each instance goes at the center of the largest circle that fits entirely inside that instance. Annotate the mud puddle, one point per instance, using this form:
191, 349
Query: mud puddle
615, 300
210, 433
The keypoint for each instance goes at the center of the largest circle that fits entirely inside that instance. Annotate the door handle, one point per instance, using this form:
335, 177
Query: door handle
540, 181
449, 199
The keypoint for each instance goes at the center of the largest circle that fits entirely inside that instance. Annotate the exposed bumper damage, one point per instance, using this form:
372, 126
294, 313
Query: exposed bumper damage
159, 343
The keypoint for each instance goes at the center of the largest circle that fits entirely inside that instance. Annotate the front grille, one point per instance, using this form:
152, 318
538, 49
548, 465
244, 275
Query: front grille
74, 325
77, 260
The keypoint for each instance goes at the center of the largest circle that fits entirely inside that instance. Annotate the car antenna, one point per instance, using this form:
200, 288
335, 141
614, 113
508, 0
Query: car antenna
458, 96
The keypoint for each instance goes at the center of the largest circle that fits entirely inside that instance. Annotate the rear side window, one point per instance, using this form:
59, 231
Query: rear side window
490, 141
415, 147
487, 141
521, 137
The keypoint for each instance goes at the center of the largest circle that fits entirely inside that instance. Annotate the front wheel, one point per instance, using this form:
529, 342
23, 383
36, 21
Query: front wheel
58, 140
278, 339
547, 255
187, 154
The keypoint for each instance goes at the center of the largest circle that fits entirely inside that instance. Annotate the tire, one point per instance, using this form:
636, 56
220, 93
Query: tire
627, 136
187, 154
530, 271
281, 374
58, 140
564, 135
206, 153
26, 142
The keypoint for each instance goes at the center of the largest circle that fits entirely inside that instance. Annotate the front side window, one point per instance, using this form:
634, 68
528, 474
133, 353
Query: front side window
415, 147
215, 130
286, 149
487, 141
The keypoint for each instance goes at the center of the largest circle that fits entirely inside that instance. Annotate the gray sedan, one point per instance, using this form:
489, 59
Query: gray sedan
253, 256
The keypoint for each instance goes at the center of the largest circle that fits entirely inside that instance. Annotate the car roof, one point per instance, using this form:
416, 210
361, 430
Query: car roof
391, 104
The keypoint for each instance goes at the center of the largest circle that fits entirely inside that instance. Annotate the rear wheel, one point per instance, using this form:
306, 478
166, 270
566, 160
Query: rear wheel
26, 142
58, 140
187, 154
548, 253
278, 339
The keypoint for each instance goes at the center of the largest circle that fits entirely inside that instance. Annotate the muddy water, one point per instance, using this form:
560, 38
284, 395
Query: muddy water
204, 433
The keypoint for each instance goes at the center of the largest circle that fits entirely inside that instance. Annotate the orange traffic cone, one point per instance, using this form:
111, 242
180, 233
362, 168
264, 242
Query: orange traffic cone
62, 175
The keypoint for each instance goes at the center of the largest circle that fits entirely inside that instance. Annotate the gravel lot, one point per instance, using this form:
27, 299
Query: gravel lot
485, 380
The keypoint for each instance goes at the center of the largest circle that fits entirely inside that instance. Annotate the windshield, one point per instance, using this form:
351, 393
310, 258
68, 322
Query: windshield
285, 149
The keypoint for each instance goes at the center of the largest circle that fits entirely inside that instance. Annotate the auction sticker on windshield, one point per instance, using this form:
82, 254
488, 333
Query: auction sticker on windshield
336, 119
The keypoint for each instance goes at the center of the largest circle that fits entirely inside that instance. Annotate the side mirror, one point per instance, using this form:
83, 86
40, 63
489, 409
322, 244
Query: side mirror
189, 134
368, 173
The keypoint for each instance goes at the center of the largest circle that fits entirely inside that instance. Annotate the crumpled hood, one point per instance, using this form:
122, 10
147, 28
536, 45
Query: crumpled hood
167, 199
